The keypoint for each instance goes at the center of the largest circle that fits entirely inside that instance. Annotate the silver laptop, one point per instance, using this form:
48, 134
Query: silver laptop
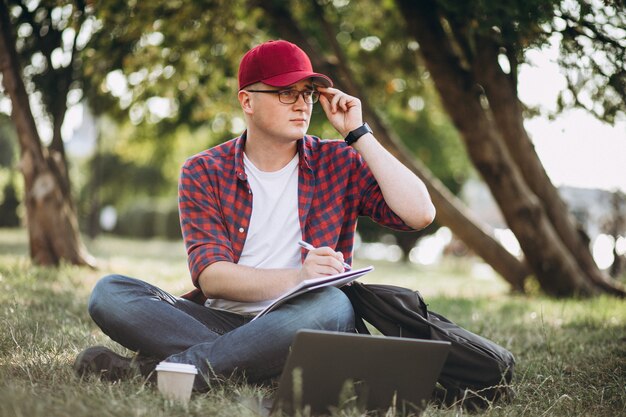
328, 370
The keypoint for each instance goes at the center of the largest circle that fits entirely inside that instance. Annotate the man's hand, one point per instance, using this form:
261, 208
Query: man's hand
320, 262
342, 110
403, 191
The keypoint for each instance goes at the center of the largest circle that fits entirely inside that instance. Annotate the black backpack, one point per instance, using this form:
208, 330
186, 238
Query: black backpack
477, 371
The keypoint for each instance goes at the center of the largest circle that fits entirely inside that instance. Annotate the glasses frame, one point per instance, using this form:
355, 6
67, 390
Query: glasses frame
284, 96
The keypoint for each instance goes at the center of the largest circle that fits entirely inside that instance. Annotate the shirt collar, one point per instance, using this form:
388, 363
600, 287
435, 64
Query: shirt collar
304, 150
240, 144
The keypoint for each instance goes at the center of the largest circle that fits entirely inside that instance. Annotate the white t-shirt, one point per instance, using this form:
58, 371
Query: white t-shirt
274, 231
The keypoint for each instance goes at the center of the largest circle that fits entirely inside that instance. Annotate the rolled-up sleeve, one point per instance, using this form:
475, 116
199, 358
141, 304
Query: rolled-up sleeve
372, 202
203, 227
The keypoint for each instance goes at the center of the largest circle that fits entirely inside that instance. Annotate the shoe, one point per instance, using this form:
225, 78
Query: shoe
109, 366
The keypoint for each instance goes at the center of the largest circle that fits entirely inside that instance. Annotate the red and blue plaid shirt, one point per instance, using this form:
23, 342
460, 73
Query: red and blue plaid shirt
335, 186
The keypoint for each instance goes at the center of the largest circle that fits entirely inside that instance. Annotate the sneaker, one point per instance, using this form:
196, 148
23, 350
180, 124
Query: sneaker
109, 366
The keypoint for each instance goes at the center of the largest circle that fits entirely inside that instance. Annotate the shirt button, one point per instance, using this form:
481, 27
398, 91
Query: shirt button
241, 230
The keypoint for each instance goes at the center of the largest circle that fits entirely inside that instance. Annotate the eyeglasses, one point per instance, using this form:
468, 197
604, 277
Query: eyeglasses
291, 96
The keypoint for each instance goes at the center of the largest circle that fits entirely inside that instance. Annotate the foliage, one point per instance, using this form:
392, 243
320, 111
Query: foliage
591, 36
519, 22
8, 141
137, 177
165, 74
183, 53
148, 219
593, 54
9, 206
9, 200
570, 354
134, 165
49, 36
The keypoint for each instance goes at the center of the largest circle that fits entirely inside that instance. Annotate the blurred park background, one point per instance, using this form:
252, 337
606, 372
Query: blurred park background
513, 113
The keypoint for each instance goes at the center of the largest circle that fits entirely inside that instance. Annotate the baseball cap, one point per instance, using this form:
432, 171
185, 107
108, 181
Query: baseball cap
279, 64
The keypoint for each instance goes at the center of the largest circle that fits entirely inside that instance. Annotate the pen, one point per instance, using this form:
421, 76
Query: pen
310, 247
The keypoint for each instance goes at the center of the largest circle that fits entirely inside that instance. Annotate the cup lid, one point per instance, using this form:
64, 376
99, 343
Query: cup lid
177, 367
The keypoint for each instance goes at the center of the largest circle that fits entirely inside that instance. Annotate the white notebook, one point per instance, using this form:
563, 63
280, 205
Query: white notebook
337, 280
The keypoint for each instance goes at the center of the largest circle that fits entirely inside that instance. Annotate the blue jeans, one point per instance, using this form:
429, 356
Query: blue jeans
148, 320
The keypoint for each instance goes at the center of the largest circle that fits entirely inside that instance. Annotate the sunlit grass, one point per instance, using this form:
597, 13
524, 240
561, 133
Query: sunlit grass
571, 354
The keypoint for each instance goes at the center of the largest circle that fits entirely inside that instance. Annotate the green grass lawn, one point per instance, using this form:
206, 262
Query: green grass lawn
571, 354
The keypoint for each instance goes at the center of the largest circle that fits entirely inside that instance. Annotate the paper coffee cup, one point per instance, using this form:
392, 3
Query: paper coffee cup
175, 380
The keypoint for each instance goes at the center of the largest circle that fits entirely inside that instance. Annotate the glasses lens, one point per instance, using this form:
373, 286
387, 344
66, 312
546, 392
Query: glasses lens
310, 97
291, 96
288, 96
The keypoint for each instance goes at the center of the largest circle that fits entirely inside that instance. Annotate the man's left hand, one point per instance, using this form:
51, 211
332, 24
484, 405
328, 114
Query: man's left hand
342, 110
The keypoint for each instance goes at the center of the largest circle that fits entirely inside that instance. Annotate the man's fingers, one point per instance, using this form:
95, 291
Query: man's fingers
341, 101
335, 102
342, 110
327, 106
324, 251
324, 102
325, 261
322, 270
328, 261
331, 262
336, 98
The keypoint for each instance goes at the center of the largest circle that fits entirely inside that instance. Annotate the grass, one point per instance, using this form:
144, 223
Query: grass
571, 354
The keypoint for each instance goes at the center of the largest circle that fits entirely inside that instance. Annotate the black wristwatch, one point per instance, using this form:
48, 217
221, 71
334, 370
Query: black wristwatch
354, 135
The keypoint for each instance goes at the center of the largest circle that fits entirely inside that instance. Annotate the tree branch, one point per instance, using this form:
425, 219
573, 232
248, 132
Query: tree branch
14, 86
29, 17
575, 24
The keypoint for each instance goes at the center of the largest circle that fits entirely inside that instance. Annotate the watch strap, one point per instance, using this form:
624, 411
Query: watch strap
355, 134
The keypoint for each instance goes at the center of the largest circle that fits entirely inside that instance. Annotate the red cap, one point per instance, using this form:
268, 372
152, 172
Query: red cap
279, 64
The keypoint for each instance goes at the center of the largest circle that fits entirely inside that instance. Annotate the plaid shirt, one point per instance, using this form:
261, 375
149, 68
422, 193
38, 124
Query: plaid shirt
335, 186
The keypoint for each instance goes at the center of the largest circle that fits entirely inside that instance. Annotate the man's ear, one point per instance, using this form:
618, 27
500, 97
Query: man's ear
245, 100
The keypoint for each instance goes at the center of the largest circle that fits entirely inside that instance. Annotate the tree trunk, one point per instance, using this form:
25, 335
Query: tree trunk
555, 268
504, 104
52, 224
451, 212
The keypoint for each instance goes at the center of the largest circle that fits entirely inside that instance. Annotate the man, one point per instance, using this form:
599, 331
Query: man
244, 205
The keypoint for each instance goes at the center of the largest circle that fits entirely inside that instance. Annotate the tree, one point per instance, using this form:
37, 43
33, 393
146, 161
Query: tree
461, 44
51, 218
